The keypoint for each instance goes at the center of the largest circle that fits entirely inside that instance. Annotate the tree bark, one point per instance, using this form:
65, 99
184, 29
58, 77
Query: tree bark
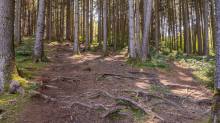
156, 26
50, 31
62, 22
76, 40
123, 24
48, 20
105, 28
213, 23
91, 21
87, 26
198, 28
18, 33
68, 20
99, 22
216, 97
138, 26
7, 62
145, 42
206, 36
131, 30
38, 47
116, 25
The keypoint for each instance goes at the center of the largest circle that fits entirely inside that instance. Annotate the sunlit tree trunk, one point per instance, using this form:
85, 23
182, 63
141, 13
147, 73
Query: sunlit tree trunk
206, 37
198, 28
38, 47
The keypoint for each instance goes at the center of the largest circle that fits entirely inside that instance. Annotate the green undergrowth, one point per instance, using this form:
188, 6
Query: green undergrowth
10, 104
155, 88
203, 68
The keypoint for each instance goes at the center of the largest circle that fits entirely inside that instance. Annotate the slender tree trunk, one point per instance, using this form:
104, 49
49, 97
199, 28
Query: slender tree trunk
123, 24
116, 25
18, 33
76, 40
50, 35
68, 20
213, 23
91, 21
198, 28
87, 26
84, 4
73, 22
206, 37
99, 22
16, 18
131, 30
186, 27
7, 62
105, 28
145, 42
62, 22
38, 47
138, 26
156, 26
48, 20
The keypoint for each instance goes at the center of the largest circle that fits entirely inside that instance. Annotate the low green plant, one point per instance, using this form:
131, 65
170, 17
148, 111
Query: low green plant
100, 79
155, 88
33, 86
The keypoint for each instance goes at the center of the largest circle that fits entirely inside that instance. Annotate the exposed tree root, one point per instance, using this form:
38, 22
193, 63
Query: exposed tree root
144, 94
182, 86
111, 112
45, 96
138, 72
93, 106
189, 117
116, 75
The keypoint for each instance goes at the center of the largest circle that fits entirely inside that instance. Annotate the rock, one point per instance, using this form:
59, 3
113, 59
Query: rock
15, 87
101, 60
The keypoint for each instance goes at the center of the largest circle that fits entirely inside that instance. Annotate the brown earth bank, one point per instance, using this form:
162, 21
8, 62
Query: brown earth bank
92, 89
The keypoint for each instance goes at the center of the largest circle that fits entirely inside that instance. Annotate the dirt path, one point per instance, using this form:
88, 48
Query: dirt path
72, 79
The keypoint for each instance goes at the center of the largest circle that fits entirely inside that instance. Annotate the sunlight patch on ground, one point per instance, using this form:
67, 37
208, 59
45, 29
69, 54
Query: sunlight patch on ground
142, 85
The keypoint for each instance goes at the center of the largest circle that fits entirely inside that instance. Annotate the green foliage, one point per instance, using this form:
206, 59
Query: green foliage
139, 116
23, 53
155, 88
123, 111
33, 86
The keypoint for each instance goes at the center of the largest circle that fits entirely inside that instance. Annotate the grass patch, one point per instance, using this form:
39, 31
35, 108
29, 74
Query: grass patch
155, 88
139, 116
12, 107
6, 87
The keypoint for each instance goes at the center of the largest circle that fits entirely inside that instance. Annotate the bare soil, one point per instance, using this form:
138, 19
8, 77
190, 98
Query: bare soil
71, 79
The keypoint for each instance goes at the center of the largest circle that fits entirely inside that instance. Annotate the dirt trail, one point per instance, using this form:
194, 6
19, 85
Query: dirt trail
72, 79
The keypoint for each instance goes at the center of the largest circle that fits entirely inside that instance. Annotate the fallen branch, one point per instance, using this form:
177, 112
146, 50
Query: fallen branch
182, 86
116, 75
93, 106
138, 72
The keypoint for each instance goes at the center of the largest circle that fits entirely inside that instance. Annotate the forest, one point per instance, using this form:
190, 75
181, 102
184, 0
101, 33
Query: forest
110, 61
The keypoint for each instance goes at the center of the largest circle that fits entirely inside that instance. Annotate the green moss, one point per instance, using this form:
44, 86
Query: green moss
105, 55
128, 91
22, 81
6, 87
101, 110
114, 116
211, 119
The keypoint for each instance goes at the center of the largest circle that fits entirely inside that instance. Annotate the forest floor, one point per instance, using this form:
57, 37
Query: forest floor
88, 88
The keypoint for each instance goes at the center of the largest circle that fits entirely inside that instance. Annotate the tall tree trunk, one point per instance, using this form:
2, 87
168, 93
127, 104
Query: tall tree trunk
16, 18
184, 24
138, 26
123, 24
76, 40
216, 97
105, 28
116, 25
38, 47
62, 22
206, 37
50, 32
7, 62
156, 26
145, 41
18, 33
48, 20
131, 30
213, 23
91, 21
87, 26
186, 28
99, 22
84, 4
68, 20
73, 21
198, 28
